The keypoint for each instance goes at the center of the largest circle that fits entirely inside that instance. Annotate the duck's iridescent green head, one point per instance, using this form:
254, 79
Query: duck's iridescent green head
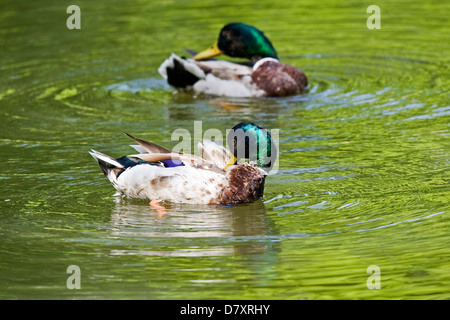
244, 41
240, 40
249, 141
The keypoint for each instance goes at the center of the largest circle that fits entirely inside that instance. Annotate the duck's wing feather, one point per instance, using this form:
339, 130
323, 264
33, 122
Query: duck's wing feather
138, 148
212, 156
187, 160
210, 159
214, 153
225, 70
224, 78
155, 157
148, 146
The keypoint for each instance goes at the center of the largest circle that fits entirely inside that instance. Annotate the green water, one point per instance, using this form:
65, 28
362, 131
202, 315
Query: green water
364, 154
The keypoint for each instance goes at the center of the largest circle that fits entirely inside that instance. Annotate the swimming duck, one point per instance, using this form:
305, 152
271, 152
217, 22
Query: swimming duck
264, 76
214, 177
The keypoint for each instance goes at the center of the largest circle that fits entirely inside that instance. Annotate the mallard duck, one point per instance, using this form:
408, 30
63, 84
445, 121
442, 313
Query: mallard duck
214, 177
265, 76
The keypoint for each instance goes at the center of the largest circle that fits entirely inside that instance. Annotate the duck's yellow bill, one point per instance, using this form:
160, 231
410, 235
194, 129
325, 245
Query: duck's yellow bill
208, 53
230, 161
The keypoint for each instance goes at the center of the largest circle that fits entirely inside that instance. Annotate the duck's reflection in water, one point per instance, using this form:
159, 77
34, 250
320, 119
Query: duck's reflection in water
192, 230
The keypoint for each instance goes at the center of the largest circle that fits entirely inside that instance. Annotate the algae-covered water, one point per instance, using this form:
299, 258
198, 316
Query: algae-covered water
359, 208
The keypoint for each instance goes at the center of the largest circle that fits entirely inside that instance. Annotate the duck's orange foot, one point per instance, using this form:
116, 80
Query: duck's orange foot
160, 209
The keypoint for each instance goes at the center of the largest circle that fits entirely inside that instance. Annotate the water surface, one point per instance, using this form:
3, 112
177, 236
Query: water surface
364, 154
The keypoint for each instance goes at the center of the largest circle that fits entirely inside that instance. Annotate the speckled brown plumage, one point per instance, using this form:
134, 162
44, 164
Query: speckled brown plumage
279, 79
246, 184
296, 74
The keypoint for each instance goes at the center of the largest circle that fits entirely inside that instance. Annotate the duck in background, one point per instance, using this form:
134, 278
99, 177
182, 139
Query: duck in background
264, 76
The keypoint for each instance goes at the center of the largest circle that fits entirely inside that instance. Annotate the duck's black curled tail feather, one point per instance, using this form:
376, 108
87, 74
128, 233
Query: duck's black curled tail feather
180, 77
117, 166
180, 73
106, 163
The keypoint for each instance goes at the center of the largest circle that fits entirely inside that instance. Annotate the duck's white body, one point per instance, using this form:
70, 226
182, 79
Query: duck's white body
204, 179
179, 184
222, 78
